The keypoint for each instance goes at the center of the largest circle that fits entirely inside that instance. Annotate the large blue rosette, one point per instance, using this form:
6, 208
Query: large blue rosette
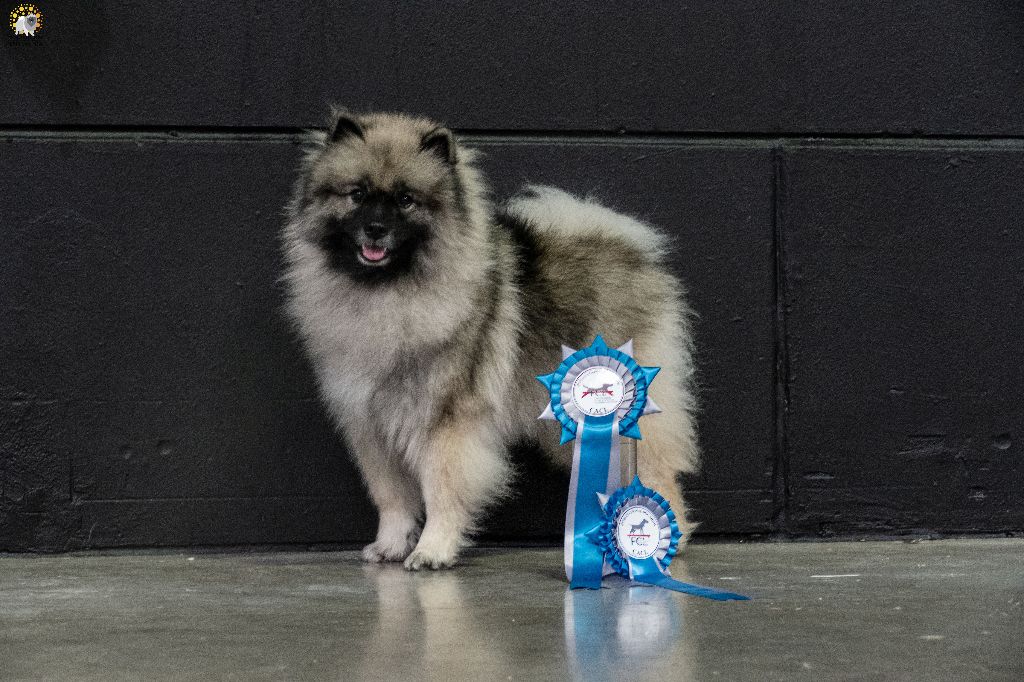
597, 395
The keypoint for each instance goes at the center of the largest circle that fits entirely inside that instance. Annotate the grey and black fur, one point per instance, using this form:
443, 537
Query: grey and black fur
428, 313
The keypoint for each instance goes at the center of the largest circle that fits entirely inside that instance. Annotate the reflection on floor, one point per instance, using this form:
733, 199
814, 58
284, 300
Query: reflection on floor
943, 610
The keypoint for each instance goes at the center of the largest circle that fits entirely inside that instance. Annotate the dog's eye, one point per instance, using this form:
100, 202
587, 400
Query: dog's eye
406, 201
357, 195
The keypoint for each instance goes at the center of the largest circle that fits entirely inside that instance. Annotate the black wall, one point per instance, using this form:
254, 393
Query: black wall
844, 180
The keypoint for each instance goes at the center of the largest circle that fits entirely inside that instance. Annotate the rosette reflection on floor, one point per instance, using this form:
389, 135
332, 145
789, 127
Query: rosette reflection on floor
626, 632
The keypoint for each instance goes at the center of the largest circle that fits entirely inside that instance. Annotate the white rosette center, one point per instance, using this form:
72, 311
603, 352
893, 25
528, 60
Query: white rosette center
597, 386
642, 529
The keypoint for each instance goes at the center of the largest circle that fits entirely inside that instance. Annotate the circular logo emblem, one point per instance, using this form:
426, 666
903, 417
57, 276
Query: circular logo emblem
637, 532
597, 391
26, 20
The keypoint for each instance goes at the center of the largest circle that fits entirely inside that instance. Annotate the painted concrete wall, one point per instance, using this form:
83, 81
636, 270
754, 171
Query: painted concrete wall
844, 184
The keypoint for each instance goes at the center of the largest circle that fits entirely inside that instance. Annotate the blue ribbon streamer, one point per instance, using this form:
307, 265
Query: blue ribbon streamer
650, 571
595, 452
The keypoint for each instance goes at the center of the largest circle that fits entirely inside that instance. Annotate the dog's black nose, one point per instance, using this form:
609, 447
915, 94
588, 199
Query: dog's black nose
375, 230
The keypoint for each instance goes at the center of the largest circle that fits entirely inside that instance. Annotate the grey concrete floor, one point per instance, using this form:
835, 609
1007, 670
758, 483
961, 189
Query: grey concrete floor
940, 610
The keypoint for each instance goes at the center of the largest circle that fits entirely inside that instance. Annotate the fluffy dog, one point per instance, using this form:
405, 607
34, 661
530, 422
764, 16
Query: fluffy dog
427, 312
26, 25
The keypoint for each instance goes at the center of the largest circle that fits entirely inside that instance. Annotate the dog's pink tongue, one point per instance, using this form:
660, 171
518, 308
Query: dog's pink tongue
374, 253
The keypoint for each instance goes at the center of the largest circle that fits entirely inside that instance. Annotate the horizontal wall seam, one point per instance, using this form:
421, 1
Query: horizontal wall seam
314, 498
475, 136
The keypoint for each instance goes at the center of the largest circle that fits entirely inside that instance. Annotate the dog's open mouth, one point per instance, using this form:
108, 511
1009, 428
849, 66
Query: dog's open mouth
373, 255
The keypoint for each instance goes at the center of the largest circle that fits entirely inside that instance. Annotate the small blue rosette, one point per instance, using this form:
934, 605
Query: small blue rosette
639, 537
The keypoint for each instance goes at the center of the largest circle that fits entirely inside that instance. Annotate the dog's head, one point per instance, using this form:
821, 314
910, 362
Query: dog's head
382, 194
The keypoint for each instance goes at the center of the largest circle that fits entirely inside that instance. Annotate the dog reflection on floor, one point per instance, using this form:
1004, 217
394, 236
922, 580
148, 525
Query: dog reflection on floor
426, 631
438, 627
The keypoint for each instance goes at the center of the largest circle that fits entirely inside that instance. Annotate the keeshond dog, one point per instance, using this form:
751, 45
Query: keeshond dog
427, 312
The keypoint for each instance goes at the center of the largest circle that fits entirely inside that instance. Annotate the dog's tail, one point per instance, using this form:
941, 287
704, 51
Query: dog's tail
551, 209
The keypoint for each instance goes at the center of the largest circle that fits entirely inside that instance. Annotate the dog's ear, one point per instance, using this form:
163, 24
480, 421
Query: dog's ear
440, 142
345, 125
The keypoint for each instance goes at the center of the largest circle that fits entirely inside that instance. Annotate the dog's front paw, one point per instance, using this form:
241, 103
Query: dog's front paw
389, 550
377, 552
425, 558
